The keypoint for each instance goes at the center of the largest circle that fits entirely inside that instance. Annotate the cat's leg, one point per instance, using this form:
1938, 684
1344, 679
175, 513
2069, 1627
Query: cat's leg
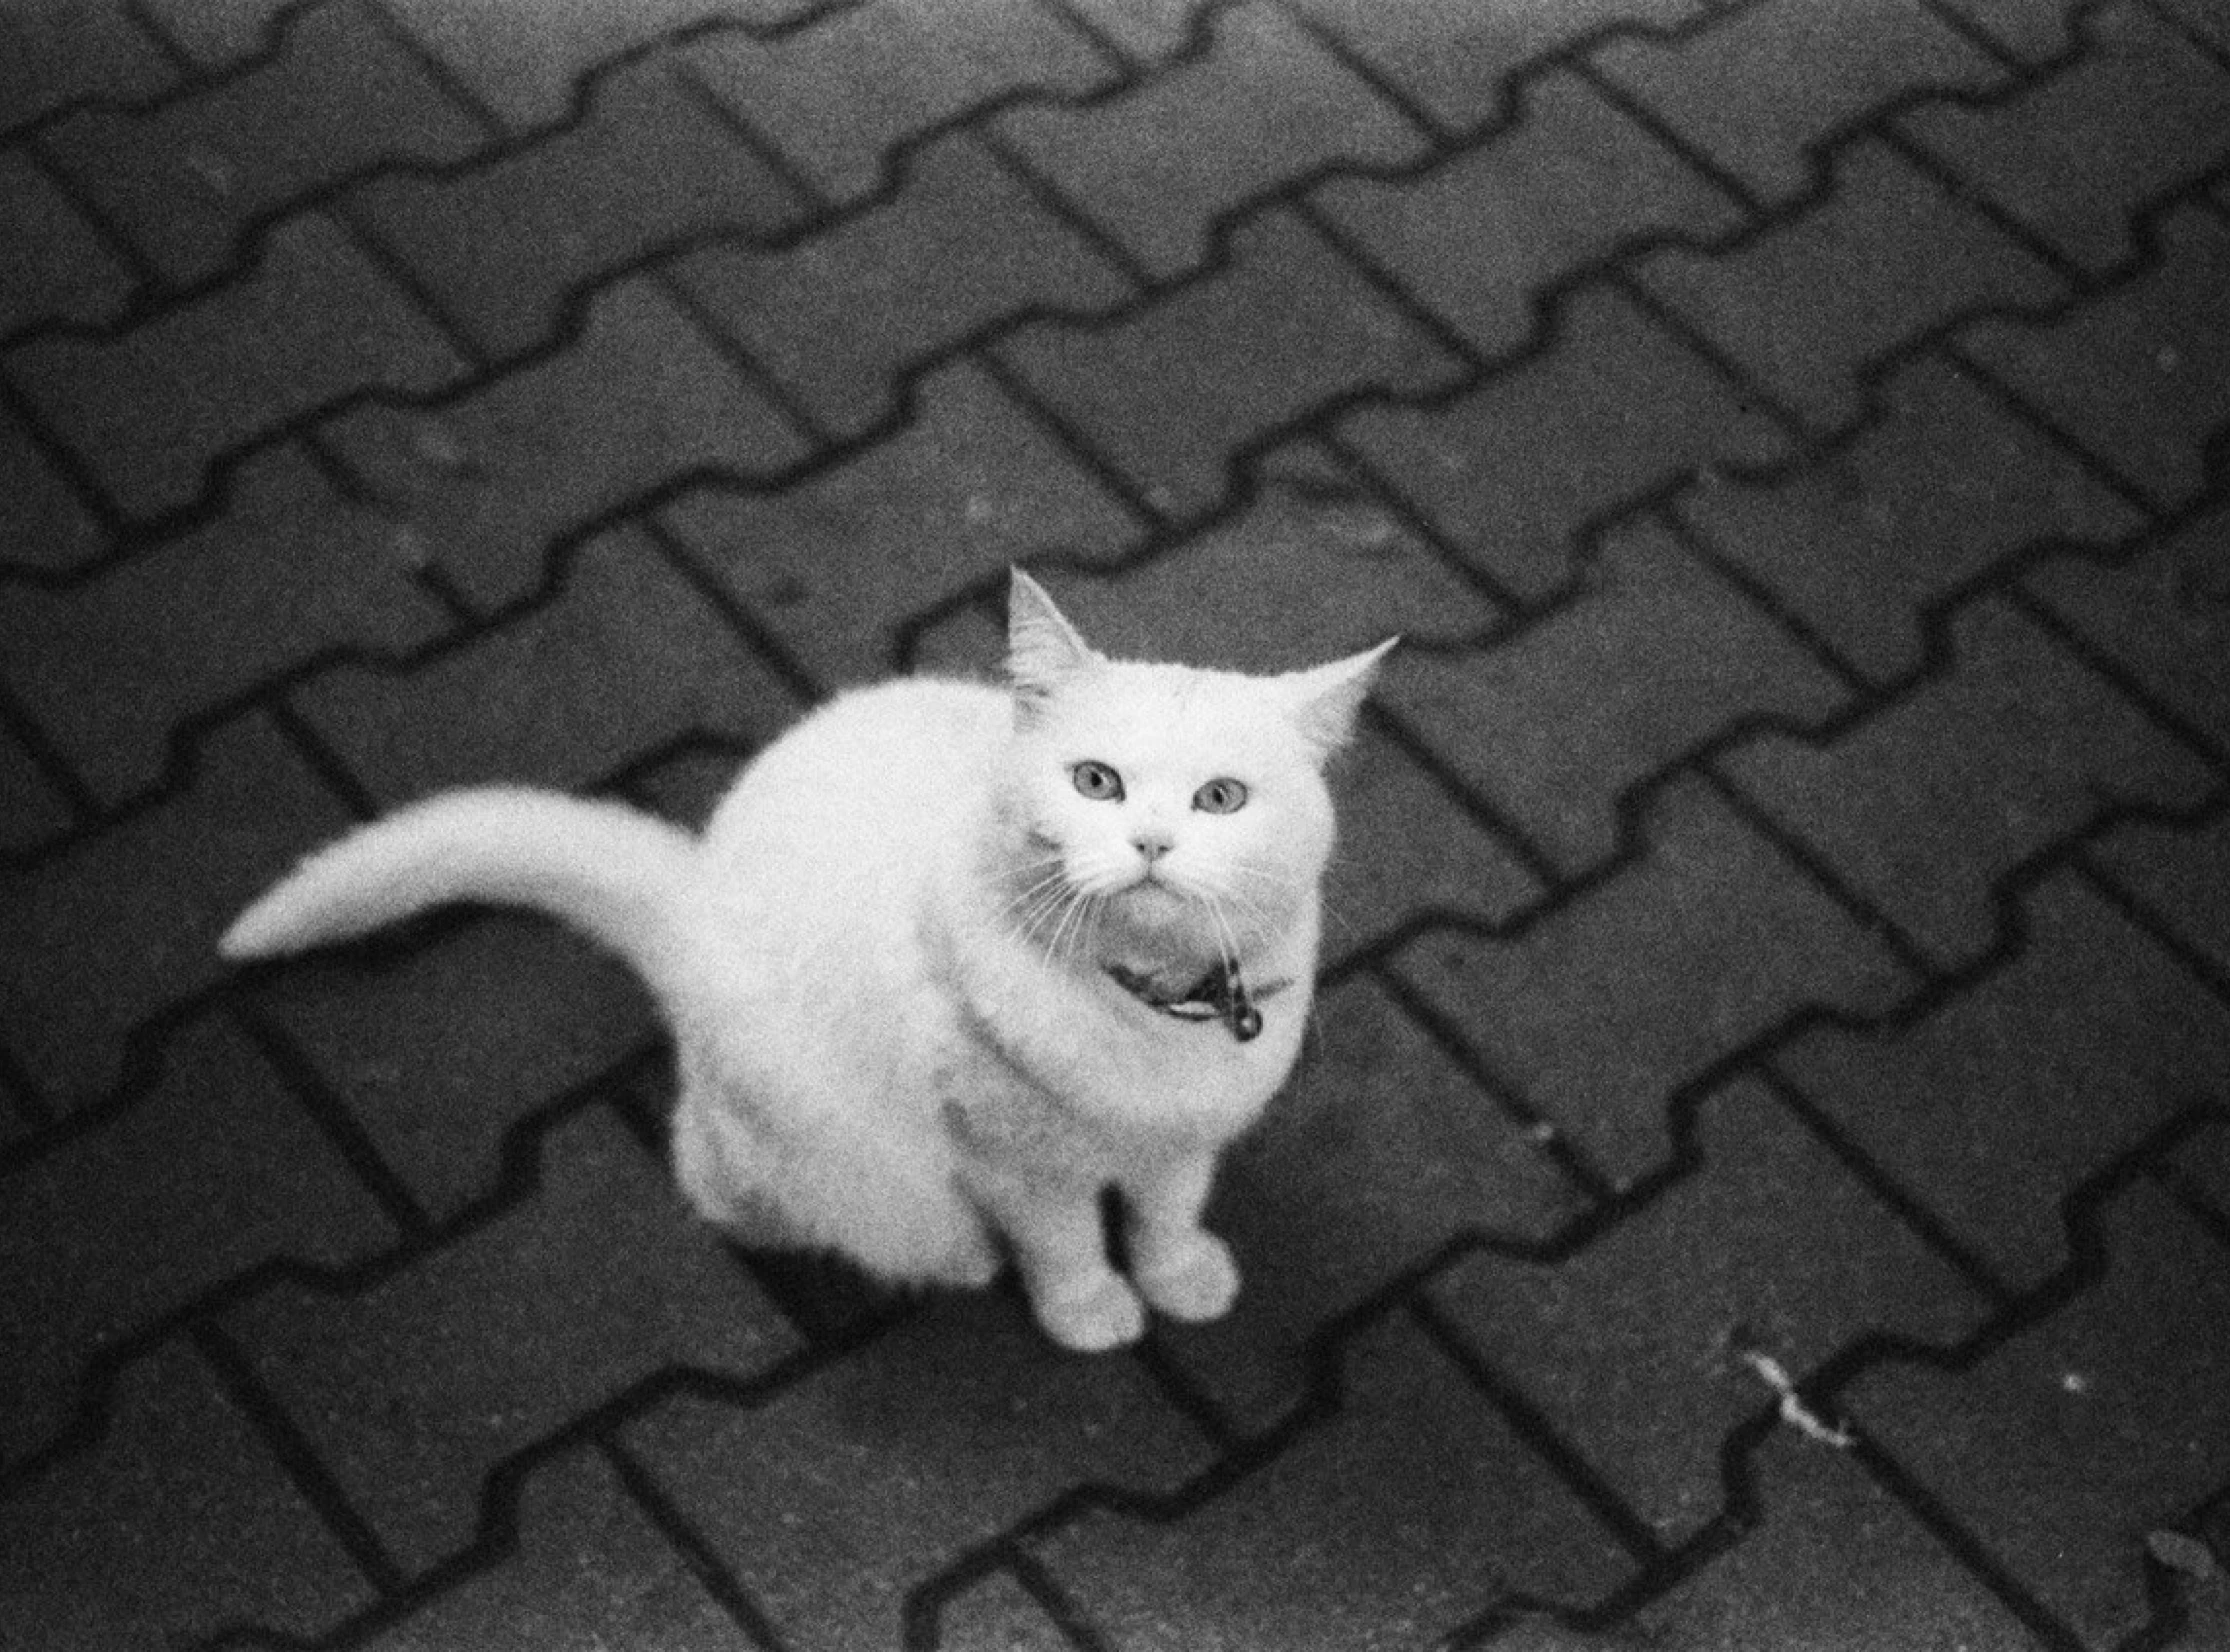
1181, 1268
1060, 1247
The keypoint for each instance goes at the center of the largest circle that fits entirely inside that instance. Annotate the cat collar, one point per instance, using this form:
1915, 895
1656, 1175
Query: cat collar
1218, 995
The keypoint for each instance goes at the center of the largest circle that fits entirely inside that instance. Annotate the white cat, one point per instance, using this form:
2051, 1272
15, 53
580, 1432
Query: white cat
948, 961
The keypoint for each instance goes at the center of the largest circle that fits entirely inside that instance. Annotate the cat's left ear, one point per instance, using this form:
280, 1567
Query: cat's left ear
1323, 701
1044, 651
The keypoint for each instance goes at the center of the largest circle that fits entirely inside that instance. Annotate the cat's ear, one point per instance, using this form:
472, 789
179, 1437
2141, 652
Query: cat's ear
1323, 701
1044, 651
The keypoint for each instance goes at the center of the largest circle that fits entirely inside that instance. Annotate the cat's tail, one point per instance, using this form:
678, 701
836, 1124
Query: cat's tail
612, 871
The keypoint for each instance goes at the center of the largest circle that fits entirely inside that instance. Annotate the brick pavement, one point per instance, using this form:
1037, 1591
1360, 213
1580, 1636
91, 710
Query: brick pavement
1784, 939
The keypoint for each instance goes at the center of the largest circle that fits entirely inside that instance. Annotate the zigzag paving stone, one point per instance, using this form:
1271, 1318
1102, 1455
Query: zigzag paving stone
108, 668
1484, 237
591, 1570
414, 1389
531, 77
841, 320
831, 1501
1765, 90
245, 1178
840, 95
2035, 32
123, 921
2139, 113
641, 402
186, 179
1381, 1154
1387, 1523
2163, 615
54, 56
1557, 724
176, 1522
2179, 875
507, 247
54, 266
1941, 491
1833, 1561
1889, 256
312, 321
1924, 804
1991, 1108
437, 1055
2062, 1446
2139, 374
998, 1614
1669, 1301
1211, 369
834, 565
1459, 61
218, 37
1160, 166
1601, 1007
624, 656
46, 527
1627, 408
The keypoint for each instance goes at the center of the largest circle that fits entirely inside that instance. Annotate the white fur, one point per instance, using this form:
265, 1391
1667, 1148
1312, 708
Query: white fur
885, 961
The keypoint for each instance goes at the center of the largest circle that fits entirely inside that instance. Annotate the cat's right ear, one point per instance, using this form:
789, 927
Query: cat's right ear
1044, 651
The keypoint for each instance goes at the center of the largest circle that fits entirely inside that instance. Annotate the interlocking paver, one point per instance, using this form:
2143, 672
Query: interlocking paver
54, 265
1993, 1107
1382, 1155
1656, 657
414, 1389
2163, 615
246, 1178
1263, 108
1942, 491
506, 246
1592, 1013
1778, 929
56, 56
1763, 91
1484, 237
436, 1056
591, 1569
46, 526
843, 319
838, 96
626, 656
2138, 114
1926, 804
178, 1522
2153, 384
1889, 257
2060, 1448
876, 1490
1357, 1533
186, 179
116, 924
531, 76
1670, 1301
643, 401
832, 564
150, 410
109, 668
1290, 329
1628, 408
1457, 61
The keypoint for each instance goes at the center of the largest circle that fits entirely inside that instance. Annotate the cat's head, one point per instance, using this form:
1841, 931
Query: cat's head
1170, 797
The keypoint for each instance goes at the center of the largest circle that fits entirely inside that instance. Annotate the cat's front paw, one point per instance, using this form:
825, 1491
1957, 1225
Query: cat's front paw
1196, 1280
1093, 1316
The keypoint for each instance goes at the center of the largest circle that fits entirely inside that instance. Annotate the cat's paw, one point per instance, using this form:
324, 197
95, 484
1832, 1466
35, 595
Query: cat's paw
1093, 1316
1196, 1281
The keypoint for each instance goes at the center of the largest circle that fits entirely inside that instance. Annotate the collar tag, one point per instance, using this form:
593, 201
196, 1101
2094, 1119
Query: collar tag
1219, 995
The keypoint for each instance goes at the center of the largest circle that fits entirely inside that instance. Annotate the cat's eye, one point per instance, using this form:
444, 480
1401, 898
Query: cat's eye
1097, 781
1219, 797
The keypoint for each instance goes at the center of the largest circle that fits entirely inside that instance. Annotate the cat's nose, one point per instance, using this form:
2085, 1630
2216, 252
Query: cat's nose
1152, 844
